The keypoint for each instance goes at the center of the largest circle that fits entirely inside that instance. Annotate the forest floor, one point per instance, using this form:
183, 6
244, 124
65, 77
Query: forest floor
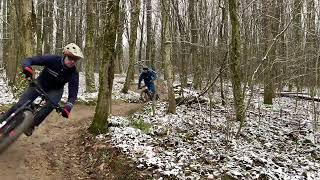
198, 142
62, 149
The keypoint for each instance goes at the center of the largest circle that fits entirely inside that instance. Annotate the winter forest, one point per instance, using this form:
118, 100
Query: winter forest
237, 80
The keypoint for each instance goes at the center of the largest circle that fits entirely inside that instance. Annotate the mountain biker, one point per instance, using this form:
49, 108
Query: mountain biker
57, 71
148, 76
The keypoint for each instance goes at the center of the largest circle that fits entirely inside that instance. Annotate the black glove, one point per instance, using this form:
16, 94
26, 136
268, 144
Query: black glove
28, 72
66, 111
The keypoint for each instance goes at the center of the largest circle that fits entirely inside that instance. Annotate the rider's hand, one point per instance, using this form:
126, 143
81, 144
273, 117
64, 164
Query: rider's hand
28, 72
66, 111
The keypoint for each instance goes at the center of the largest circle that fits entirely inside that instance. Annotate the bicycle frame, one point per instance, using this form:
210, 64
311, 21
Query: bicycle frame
44, 96
12, 127
147, 95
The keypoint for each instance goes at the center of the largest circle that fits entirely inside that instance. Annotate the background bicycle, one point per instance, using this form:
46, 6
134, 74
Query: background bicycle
146, 95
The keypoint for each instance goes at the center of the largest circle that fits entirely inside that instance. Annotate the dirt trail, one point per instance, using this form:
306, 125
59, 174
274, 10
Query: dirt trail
46, 155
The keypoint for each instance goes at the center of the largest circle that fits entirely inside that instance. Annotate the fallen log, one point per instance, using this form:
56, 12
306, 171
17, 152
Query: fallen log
304, 96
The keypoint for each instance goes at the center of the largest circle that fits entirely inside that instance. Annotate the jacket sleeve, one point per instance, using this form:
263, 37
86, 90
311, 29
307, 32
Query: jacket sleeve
73, 87
38, 60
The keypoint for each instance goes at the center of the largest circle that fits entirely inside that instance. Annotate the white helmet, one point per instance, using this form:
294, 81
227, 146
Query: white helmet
72, 50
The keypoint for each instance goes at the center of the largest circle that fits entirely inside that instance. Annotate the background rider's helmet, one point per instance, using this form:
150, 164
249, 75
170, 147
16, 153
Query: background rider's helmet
144, 67
72, 50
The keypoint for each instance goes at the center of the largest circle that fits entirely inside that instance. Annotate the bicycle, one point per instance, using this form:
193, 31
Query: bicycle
146, 95
22, 119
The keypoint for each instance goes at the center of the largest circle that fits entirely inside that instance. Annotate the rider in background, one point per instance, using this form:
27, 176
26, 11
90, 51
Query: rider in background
57, 71
148, 76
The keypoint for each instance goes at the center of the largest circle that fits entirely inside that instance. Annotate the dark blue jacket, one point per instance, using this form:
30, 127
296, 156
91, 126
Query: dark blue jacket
55, 74
148, 78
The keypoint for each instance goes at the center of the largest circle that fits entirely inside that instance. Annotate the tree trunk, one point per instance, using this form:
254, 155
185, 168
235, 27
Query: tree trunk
103, 108
26, 40
5, 33
235, 63
132, 43
48, 27
141, 36
223, 49
72, 27
90, 47
66, 30
40, 26
184, 47
119, 48
149, 40
12, 44
283, 46
197, 81
298, 37
268, 38
153, 48
162, 45
60, 27
167, 57
20, 44
79, 27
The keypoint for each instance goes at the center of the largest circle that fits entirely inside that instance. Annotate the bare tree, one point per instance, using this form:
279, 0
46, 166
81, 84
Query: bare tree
269, 31
135, 11
47, 33
103, 108
235, 63
183, 54
40, 25
60, 26
167, 56
194, 47
5, 32
149, 39
11, 45
90, 47
141, 23
119, 48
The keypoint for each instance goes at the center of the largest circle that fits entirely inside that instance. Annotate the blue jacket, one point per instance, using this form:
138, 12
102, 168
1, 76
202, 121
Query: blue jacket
55, 74
148, 78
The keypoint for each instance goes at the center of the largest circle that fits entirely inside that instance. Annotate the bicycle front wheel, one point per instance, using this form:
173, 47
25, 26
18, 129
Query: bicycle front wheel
16, 126
144, 96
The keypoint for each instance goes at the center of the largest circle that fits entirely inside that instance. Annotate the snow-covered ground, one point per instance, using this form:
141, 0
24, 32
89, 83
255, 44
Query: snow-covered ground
6, 95
277, 142
190, 145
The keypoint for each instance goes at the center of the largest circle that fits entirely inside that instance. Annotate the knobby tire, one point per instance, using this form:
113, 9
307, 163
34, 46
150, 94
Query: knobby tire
13, 135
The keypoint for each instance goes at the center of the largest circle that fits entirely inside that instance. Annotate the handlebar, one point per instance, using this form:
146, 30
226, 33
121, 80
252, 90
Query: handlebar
43, 94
